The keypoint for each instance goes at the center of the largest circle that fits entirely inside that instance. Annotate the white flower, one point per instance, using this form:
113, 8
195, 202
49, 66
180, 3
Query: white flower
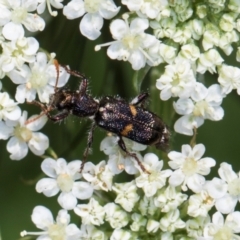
139, 221
155, 178
178, 80
229, 78
201, 11
189, 167
147, 206
195, 226
25, 135
226, 41
17, 52
100, 176
200, 204
225, 191
166, 236
233, 5
211, 38
116, 217
119, 234
169, 198
208, 61
182, 35
205, 104
168, 53
127, 195
183, 16
131, 42
39, 78
55, 3
59, 229
213, 98
118, 161
190, 52
90, 232
149, 8
9, 109
63, 178
218, 229
92, 21
166, 27
171, 221
91, 213
152, 226
15, 13
227, 22
198, 28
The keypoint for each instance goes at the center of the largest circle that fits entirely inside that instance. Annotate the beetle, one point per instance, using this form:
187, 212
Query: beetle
114, 114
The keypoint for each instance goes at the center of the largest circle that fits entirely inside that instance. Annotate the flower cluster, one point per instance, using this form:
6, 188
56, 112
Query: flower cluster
32, 70
22, 136
154, 203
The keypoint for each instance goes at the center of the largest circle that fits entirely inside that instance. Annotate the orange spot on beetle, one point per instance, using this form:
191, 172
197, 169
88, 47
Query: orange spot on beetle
133, 110
127, 129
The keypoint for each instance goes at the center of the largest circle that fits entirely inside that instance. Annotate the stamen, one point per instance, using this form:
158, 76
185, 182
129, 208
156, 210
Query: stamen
53, 13
148, 57
25, 233
53, 55
125, 17
99, 46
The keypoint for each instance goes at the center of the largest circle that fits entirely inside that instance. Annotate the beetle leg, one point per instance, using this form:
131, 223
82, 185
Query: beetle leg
84, 83
122, 145
58, 117
73, 72
140, 99
46, 111
89, 144
83, 87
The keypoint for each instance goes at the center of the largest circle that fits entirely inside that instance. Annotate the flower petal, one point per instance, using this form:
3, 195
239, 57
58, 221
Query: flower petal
91, 25
82, 190
42, 217
74, 9
38, 143
176, 178
118, 29
36, 124
48, 166
18, 149
47, 186
67, 200
225, 205
12, 31
108, 9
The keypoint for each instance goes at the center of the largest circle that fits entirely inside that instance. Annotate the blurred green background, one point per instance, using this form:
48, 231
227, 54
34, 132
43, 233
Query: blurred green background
68, 138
